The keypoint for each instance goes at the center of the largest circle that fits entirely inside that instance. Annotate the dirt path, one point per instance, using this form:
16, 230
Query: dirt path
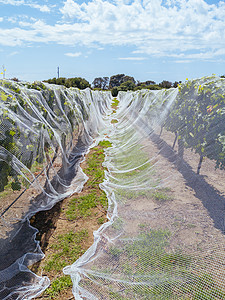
196, 213
186, 208
66, 231
193, 211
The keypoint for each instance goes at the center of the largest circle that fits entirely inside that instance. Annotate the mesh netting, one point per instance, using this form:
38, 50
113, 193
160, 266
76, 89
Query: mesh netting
45, 131
164, 238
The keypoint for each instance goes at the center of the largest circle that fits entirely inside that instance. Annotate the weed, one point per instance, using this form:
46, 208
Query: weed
105, 144
115, 252
70, 246
57, 286
114, 121
118, 224
173, 274
82, 206
67, 249
116, 296
161, 195
101, 221
115, 103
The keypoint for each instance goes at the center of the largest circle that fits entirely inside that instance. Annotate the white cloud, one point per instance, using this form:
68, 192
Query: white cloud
12, 2
42, 8
1, 19
182, 29
132, 58
76, 54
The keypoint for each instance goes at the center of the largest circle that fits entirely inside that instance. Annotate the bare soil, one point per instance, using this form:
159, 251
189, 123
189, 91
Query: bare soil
55, 222
194, 212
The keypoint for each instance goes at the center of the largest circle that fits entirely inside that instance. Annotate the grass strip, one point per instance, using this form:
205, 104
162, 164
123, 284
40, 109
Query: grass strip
68, 246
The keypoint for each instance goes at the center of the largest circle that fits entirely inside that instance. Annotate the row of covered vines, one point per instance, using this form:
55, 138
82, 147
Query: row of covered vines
197, 117
37, 121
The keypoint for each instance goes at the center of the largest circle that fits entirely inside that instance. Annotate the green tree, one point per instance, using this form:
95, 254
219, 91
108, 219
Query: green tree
101, 83
165, 84
117, 80
127, 86
77, 82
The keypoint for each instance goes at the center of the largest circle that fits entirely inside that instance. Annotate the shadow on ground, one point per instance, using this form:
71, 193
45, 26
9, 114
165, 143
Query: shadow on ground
211, 198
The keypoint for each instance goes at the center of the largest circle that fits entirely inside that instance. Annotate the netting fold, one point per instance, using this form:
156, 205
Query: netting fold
165, 234
45, 130
164, 238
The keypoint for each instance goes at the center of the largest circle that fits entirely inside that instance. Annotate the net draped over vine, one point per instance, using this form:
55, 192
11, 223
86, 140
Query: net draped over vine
164, 238
44, 132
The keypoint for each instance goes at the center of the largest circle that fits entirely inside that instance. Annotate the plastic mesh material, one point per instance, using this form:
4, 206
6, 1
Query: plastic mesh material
165, 234
164, 238
45, 131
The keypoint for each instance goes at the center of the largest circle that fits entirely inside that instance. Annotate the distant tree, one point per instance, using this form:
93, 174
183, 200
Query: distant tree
15, 79
222, 76
52, 81
77, 82
148, 87
128, 78
97, 83
117, 80
146, 83
114, 91
165, 84
150, 82
61, 81
101, 83
105, 84
127, 86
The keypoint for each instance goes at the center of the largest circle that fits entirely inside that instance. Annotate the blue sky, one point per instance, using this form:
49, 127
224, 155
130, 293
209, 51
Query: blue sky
147, 39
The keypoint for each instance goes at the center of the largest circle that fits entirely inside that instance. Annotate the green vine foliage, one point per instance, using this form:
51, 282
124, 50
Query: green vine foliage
197, 115
35, 119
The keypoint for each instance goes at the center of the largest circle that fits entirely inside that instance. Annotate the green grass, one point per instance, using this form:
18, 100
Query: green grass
67, 249
115, 103
7, 191
114, 121
118, 224
70, 246
82, 206
105, 144
101, 221
57, 286
161, 195
173, 274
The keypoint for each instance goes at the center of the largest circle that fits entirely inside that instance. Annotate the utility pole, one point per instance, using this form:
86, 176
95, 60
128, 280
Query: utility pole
3, 72
58, 72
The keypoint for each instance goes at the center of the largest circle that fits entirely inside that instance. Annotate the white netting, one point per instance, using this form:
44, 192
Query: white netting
45, 131
164, 238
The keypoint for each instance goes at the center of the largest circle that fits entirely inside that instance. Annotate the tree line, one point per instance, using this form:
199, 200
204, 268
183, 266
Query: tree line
115, 83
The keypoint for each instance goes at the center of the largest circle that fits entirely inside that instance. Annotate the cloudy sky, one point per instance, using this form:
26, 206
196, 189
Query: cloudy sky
148, 39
